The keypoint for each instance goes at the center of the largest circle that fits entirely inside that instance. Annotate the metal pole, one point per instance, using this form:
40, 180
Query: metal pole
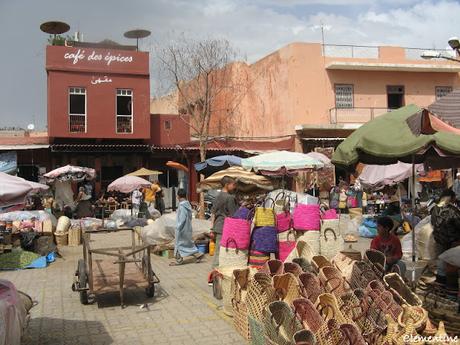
413, 209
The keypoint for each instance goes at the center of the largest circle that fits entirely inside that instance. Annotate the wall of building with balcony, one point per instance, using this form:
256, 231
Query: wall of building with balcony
96, 93
297, 85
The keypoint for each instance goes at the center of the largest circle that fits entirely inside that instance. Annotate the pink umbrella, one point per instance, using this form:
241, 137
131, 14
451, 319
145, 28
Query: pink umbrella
70, 172
15, 189
128, 184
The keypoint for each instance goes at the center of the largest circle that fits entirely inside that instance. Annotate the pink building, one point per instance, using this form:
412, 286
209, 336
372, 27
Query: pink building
318, 91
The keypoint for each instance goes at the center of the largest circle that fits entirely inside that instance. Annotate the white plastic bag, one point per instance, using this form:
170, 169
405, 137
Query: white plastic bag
451, 256
424, 241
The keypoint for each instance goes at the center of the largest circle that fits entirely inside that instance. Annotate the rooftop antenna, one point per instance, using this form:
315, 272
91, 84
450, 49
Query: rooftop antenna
323, 28
137, 33
54, 28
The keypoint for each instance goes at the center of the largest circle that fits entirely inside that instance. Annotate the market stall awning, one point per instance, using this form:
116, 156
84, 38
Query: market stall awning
128, 184
145, 172
378, 176
214, 164
281, 162
14, 189
246, 180
389, 139
70, 173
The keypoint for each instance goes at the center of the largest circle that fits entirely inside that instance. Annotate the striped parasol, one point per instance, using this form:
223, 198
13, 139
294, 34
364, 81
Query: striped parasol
247, 181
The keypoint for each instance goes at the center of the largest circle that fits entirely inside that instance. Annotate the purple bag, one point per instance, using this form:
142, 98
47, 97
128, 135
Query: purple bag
265, 239
242, 213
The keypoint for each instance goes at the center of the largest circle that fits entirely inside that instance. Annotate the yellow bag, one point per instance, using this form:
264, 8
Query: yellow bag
264, 216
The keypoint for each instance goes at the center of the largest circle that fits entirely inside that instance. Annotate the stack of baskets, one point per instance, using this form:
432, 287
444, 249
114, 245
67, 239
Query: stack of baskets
62, 231
328, 302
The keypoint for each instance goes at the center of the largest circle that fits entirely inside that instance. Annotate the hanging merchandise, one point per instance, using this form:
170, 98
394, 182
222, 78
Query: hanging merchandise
306, 217
286, 244
264, 216
258, 259
236, 233
231, 257
283, 214
331, 241
265, 239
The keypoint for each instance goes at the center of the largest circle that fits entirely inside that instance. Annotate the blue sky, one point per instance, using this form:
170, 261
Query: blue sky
255, 27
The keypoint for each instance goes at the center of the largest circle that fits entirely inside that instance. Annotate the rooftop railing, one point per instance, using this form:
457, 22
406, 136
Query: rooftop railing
373, 52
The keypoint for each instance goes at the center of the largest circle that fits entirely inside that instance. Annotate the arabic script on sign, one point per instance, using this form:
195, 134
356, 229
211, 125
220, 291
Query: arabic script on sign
109, 58
100, 81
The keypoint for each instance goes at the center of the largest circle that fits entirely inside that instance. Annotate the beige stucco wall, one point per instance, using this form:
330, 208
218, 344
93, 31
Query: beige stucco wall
165, 105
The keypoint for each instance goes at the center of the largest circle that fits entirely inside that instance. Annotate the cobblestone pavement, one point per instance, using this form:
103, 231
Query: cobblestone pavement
183, 310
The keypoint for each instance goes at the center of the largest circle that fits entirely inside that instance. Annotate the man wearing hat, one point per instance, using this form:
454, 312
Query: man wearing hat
456, 186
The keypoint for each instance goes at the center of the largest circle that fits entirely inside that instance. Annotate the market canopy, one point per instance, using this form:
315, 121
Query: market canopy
145, 172
281, 163
320, 157
214, 164
247, 181
70, 173
392, 137
378, 176
128, 184
14, 189
176, 165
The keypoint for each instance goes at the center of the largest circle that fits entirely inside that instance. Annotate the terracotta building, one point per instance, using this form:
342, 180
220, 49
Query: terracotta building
326, 91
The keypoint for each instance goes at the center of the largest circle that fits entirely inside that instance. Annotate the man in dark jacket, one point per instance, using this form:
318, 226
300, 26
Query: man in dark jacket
445, 219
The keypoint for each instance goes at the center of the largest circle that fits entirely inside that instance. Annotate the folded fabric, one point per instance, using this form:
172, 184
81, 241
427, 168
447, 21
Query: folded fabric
368, 232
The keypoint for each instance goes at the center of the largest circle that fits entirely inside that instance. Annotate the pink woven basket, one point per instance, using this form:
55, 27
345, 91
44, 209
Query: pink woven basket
236, 233
283, 221
286, 247
306, 217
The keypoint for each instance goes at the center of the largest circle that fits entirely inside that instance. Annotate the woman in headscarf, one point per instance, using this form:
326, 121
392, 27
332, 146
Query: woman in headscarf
84, 207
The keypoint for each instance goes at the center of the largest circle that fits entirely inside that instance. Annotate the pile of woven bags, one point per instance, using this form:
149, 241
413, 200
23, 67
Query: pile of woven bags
311, 293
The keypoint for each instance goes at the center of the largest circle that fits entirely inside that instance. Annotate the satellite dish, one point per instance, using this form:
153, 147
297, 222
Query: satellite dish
54, 28
31, 127
137, 33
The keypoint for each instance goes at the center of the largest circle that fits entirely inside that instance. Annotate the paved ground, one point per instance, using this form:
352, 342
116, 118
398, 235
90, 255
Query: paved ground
182, 312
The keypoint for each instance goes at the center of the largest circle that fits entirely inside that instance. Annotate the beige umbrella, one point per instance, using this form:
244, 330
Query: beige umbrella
145, 172
247, 181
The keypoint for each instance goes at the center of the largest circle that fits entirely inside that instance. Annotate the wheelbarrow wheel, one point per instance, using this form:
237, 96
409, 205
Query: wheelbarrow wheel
150, 291
82, 281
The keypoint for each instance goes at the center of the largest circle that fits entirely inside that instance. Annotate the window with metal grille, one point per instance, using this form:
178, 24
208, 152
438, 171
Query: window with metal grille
344, 96
124, 111
167, 125
77, 110
442, 91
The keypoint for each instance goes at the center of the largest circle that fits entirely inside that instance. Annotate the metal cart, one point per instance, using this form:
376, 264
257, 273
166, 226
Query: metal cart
134, 270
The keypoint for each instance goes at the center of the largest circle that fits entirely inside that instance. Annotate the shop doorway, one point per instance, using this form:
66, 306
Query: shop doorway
395, 96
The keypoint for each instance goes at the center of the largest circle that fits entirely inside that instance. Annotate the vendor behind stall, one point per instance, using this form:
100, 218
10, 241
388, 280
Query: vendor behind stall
388, 244
84, 207
445, 218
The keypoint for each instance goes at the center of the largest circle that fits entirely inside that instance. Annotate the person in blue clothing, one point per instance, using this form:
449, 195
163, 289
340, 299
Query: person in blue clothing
184, 245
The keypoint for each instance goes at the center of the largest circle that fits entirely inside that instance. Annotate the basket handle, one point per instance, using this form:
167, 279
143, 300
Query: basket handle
280, 293
231, 239
280, 193
325, 306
